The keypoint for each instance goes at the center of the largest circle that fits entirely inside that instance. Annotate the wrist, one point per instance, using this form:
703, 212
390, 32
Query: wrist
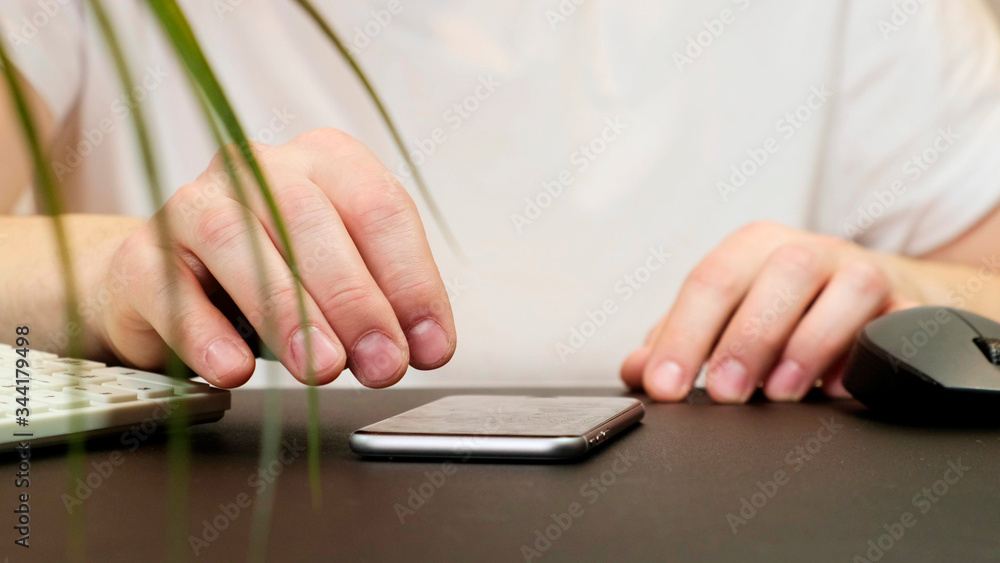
99, 284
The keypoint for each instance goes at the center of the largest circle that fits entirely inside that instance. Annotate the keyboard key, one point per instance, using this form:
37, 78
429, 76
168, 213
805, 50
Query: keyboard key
10, 406
61, 401
8, 368
10, 364
181, 386
85, 378
101, 393
42, 381
71, 364
34, 356
11, 389
144, 389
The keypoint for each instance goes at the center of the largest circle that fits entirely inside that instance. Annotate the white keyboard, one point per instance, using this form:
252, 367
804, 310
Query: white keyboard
52, 397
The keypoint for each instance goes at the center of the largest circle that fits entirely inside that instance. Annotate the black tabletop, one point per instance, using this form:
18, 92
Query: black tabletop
818, 481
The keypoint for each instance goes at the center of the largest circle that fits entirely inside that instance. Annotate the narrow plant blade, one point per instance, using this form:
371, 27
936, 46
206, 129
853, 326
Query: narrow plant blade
179, 31
432, 206
178, 447
47, 189
270, 440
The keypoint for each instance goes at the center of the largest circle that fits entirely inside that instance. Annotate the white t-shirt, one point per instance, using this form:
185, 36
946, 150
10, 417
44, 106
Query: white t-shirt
586, 156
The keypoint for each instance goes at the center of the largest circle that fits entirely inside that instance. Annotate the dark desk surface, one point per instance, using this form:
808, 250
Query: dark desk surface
691, 464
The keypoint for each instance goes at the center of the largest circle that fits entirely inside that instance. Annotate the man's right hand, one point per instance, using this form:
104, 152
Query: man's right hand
374, 298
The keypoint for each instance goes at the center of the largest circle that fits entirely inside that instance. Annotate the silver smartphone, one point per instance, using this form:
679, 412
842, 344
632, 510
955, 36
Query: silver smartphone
500, 427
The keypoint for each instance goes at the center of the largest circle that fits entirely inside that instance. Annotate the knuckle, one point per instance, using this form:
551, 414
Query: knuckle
186, 200
232, 152
832, 242
796, 257
327, 137
713, 276
220, 226
352, 297
304, 205
413, 284
258, 149
813, 348
771, 338
278, 299
759, 229
382, 205
186, 193
867, 277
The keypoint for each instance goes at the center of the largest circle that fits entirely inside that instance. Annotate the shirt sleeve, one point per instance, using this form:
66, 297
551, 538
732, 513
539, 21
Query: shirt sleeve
45, 41
913, 158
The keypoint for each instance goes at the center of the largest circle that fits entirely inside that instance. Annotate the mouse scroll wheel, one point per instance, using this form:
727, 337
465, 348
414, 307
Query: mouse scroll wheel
990, 347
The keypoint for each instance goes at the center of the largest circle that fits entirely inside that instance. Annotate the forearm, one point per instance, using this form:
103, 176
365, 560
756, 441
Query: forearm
32, 290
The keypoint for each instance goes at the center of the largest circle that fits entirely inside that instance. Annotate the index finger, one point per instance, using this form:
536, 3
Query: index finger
384, 223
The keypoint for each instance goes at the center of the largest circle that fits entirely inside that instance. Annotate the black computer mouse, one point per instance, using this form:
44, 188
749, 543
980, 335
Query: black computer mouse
928, 363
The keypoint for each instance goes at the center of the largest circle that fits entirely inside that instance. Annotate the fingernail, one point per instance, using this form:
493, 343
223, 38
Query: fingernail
324, 353
429, 343
666, 381
377, 358
224, 358
786, 383
730, 380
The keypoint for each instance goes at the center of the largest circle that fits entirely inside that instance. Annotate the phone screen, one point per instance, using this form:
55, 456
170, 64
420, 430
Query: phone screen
506, 416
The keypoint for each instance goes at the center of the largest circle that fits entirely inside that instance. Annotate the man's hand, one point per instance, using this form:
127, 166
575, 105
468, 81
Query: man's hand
374, 298
772, 306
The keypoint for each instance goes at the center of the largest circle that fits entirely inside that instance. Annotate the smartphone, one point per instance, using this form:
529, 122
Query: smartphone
500, 427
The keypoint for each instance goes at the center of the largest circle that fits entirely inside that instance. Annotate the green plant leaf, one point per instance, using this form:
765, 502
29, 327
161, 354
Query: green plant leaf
418, 178
178, 446
48, 191
182, 37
